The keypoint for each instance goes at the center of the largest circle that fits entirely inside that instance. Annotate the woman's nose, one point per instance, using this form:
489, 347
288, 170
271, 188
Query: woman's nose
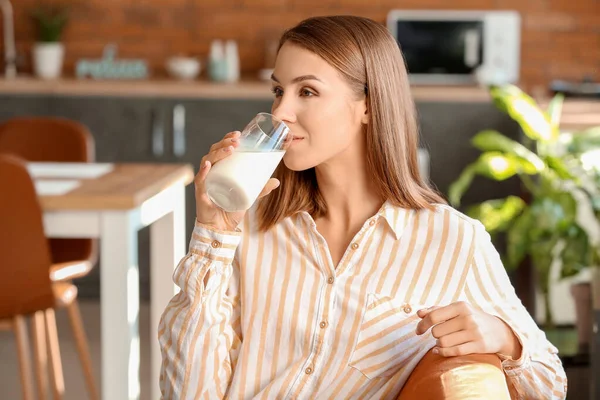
284, 112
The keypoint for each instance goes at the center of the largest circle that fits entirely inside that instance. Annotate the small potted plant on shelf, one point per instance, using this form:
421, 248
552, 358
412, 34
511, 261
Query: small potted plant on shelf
48, 51
557, 223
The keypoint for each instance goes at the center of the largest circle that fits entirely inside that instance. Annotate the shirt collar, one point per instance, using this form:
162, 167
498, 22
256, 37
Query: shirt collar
396, 217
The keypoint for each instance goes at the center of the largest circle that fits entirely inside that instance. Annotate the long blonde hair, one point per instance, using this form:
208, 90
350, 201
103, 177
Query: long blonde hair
368, 57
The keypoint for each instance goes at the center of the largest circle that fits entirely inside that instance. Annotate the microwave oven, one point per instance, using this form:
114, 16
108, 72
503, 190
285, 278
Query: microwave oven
458, 47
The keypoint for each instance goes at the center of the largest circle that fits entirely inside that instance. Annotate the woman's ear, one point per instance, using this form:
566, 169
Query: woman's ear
365, 116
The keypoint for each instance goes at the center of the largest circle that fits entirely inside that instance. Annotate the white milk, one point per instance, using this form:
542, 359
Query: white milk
235, 182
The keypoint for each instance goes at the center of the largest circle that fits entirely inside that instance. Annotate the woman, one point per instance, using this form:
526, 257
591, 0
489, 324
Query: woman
341, 280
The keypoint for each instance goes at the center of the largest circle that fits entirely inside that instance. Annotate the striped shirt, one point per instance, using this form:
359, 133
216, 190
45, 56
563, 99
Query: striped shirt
267, 315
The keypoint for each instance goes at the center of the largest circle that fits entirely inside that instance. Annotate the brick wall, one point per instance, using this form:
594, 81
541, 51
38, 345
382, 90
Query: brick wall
561, 38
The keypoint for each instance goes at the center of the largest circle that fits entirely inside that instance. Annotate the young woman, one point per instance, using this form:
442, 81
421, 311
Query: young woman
339, 281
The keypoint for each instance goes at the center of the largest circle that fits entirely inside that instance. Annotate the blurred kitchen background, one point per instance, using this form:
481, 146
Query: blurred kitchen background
159, 81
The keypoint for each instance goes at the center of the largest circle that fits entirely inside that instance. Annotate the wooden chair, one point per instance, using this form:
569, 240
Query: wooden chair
471, 377
50, 139
26, 288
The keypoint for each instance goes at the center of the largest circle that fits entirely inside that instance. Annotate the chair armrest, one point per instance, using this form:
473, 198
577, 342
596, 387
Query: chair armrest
476, 376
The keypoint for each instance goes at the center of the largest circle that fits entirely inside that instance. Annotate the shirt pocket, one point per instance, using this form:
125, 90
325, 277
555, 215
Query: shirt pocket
387, 338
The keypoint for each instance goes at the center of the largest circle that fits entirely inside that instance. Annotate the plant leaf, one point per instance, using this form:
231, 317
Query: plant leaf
577, 252
554, 213
460, 185
498, 214
493, 165
542, 256
557, 165
496, 165
518, 239
523, 109
586, 140
490, 140
555, 111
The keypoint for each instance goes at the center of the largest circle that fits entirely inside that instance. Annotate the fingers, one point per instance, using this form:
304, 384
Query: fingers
448, 328
222, 149
454, 339
440, 315
219, 154
435, 317
459, 350
201, 176
271, 185
423, 312
229, 139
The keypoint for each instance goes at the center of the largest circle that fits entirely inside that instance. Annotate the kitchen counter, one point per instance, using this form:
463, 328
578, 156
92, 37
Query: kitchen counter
577, 113
201, 89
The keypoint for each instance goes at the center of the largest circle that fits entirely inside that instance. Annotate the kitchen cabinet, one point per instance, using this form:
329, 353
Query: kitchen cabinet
121, 127
181, 130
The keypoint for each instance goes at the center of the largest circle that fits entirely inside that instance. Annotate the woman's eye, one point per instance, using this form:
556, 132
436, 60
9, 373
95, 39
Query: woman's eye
306, 93
277, 92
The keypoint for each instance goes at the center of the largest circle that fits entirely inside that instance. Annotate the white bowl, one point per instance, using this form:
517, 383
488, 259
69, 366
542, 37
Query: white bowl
184, 68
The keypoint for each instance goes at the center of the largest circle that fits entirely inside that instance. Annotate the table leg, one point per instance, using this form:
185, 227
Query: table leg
167, 248
119, 291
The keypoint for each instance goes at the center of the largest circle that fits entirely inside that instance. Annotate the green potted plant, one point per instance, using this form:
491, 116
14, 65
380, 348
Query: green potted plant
48, 51
559, 220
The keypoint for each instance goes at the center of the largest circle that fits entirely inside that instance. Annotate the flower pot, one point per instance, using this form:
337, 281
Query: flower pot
48, 60
596, 288
595, 350
582, 295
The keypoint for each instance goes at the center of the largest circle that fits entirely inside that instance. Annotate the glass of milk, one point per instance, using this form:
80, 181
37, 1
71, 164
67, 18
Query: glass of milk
235, 182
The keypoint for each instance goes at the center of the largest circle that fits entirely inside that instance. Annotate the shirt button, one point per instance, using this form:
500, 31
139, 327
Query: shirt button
372, 222
330, 280
407, 309
308, 371
323, 324
354, 246
216, 244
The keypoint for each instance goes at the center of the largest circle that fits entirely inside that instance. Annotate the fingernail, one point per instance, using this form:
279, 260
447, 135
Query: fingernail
205, 164
435, 350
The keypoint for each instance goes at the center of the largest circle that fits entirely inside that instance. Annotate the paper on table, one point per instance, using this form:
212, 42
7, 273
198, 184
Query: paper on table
68, 170
55, 187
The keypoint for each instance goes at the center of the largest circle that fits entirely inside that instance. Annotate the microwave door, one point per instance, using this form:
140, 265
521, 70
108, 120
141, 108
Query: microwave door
441, 52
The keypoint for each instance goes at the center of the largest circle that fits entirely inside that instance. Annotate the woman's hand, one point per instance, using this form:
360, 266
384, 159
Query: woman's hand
207, 212
462, 329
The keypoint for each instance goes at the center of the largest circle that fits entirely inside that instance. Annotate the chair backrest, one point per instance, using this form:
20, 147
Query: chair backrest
47, 139
51, 139
24, 254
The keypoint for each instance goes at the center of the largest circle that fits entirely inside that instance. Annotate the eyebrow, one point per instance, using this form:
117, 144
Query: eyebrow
298, 79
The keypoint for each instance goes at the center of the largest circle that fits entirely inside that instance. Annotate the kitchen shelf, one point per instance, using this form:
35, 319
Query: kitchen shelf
201, 89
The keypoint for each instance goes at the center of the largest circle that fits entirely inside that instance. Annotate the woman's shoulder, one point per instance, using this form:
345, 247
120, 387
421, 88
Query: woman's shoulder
444, 214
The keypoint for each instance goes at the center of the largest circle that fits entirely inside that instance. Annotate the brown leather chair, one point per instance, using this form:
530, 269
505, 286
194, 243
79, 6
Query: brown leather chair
25, 284
471, 377
50, 139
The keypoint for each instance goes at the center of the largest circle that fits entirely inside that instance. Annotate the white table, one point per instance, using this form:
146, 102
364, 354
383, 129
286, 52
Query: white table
113, 207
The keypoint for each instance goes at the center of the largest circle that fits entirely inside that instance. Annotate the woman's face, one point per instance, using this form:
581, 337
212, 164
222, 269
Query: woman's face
318, 105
